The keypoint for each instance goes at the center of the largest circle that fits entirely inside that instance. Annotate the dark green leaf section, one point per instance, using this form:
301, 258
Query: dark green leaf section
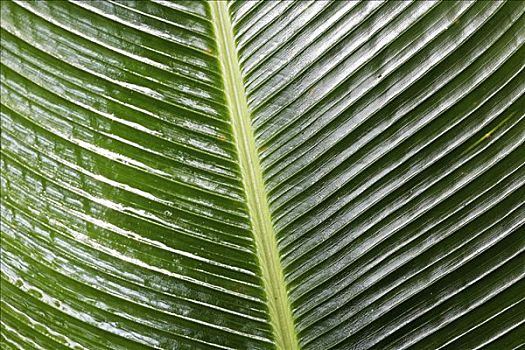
124, 223
392, 136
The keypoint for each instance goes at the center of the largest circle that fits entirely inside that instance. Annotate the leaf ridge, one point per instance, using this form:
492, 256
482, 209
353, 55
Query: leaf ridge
267, 249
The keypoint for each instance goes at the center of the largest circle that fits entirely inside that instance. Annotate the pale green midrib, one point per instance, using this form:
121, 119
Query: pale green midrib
267, 250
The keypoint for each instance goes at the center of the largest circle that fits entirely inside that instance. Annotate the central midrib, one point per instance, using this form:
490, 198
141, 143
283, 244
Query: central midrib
267, 250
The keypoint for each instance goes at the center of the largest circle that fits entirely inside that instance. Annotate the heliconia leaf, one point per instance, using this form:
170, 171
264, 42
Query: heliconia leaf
262, 175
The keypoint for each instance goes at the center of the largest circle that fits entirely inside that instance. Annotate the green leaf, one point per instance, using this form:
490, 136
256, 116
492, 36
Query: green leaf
257, 175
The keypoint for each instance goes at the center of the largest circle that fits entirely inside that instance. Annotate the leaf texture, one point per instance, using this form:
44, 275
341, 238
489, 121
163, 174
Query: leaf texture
391, 135
124, 222
389, 142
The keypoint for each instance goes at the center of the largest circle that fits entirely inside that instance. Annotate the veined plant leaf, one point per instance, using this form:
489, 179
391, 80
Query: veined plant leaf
262, 174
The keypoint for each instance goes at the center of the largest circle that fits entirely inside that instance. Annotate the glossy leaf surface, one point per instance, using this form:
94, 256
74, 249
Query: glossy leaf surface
257, 175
